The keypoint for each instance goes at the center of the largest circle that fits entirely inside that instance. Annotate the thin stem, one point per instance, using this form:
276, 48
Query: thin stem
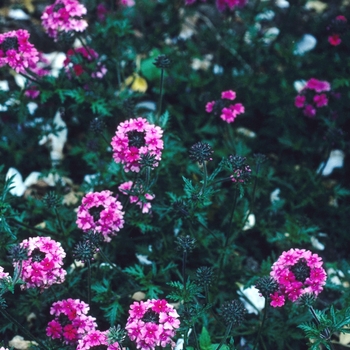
89, 282
161, 93
24, 330
326, 333
227, 332
60, 221
30, 228
262, 324
205, 178
184, 258
195, 337
17, 272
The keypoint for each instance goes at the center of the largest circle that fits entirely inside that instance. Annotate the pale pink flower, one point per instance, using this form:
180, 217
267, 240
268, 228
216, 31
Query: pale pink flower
64, 16
152, 323
100, 212
96, 339
43, 267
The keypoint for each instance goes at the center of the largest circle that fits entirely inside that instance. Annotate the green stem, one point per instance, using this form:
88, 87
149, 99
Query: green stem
24, 330
184, 258
227, 332
326, 333
60, 221
161, 93
17, 272
262, 324
31, 228
205, 178
89, 282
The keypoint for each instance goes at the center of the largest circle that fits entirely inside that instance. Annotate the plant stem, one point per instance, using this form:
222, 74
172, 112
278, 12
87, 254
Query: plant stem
161, 93
227, 332
24, 330
205, 178
89, 282
326, 332
262, 324
60, 221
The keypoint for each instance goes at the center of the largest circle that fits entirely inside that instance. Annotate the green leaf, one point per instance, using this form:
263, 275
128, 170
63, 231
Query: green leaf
204, 340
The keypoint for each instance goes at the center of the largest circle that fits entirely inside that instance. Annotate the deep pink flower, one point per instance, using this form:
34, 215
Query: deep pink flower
94, 339
334, 39
43, 267
134, 139
297, 272
229, 95
101, 12
309, 111
209, 106
71, 321
101, 212
64, 16
321, 100
299, 101
17, 52
318, 85
152, 323
230, 4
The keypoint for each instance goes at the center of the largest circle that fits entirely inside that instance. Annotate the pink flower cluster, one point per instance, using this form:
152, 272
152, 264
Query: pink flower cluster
152, 323
136, 137
43, 267
318, 99
127, 3
140, 200
64, 16
100, 212
228, 112
71, 322
338, 27
17, 51
77, 59
297, 272
94, 339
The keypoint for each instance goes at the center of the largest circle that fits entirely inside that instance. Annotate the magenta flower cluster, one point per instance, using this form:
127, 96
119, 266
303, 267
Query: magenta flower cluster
43, 268
64, 16
96, 339
17, 51
84, 55
71, 321
152, 323
317, 99
134, 138
241, 175
228, 111
100, 212
297, 271
141, 202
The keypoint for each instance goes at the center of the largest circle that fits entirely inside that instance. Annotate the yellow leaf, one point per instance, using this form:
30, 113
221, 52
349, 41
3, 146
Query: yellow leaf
136, 83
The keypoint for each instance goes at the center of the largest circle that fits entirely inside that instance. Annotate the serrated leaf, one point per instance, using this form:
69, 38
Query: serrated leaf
204, 340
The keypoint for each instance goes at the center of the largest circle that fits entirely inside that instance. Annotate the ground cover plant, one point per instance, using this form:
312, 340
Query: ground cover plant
174, 174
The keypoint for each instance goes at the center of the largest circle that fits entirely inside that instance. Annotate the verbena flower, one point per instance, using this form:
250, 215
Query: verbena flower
337, 28
17, 51
100, 212
43, 267
64, 16
233, 312
133, 138
141, 199
228, 111
310, 97
71, 321
127, 3
152, 323
80, 60
297, 272
94, 339
201, 152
